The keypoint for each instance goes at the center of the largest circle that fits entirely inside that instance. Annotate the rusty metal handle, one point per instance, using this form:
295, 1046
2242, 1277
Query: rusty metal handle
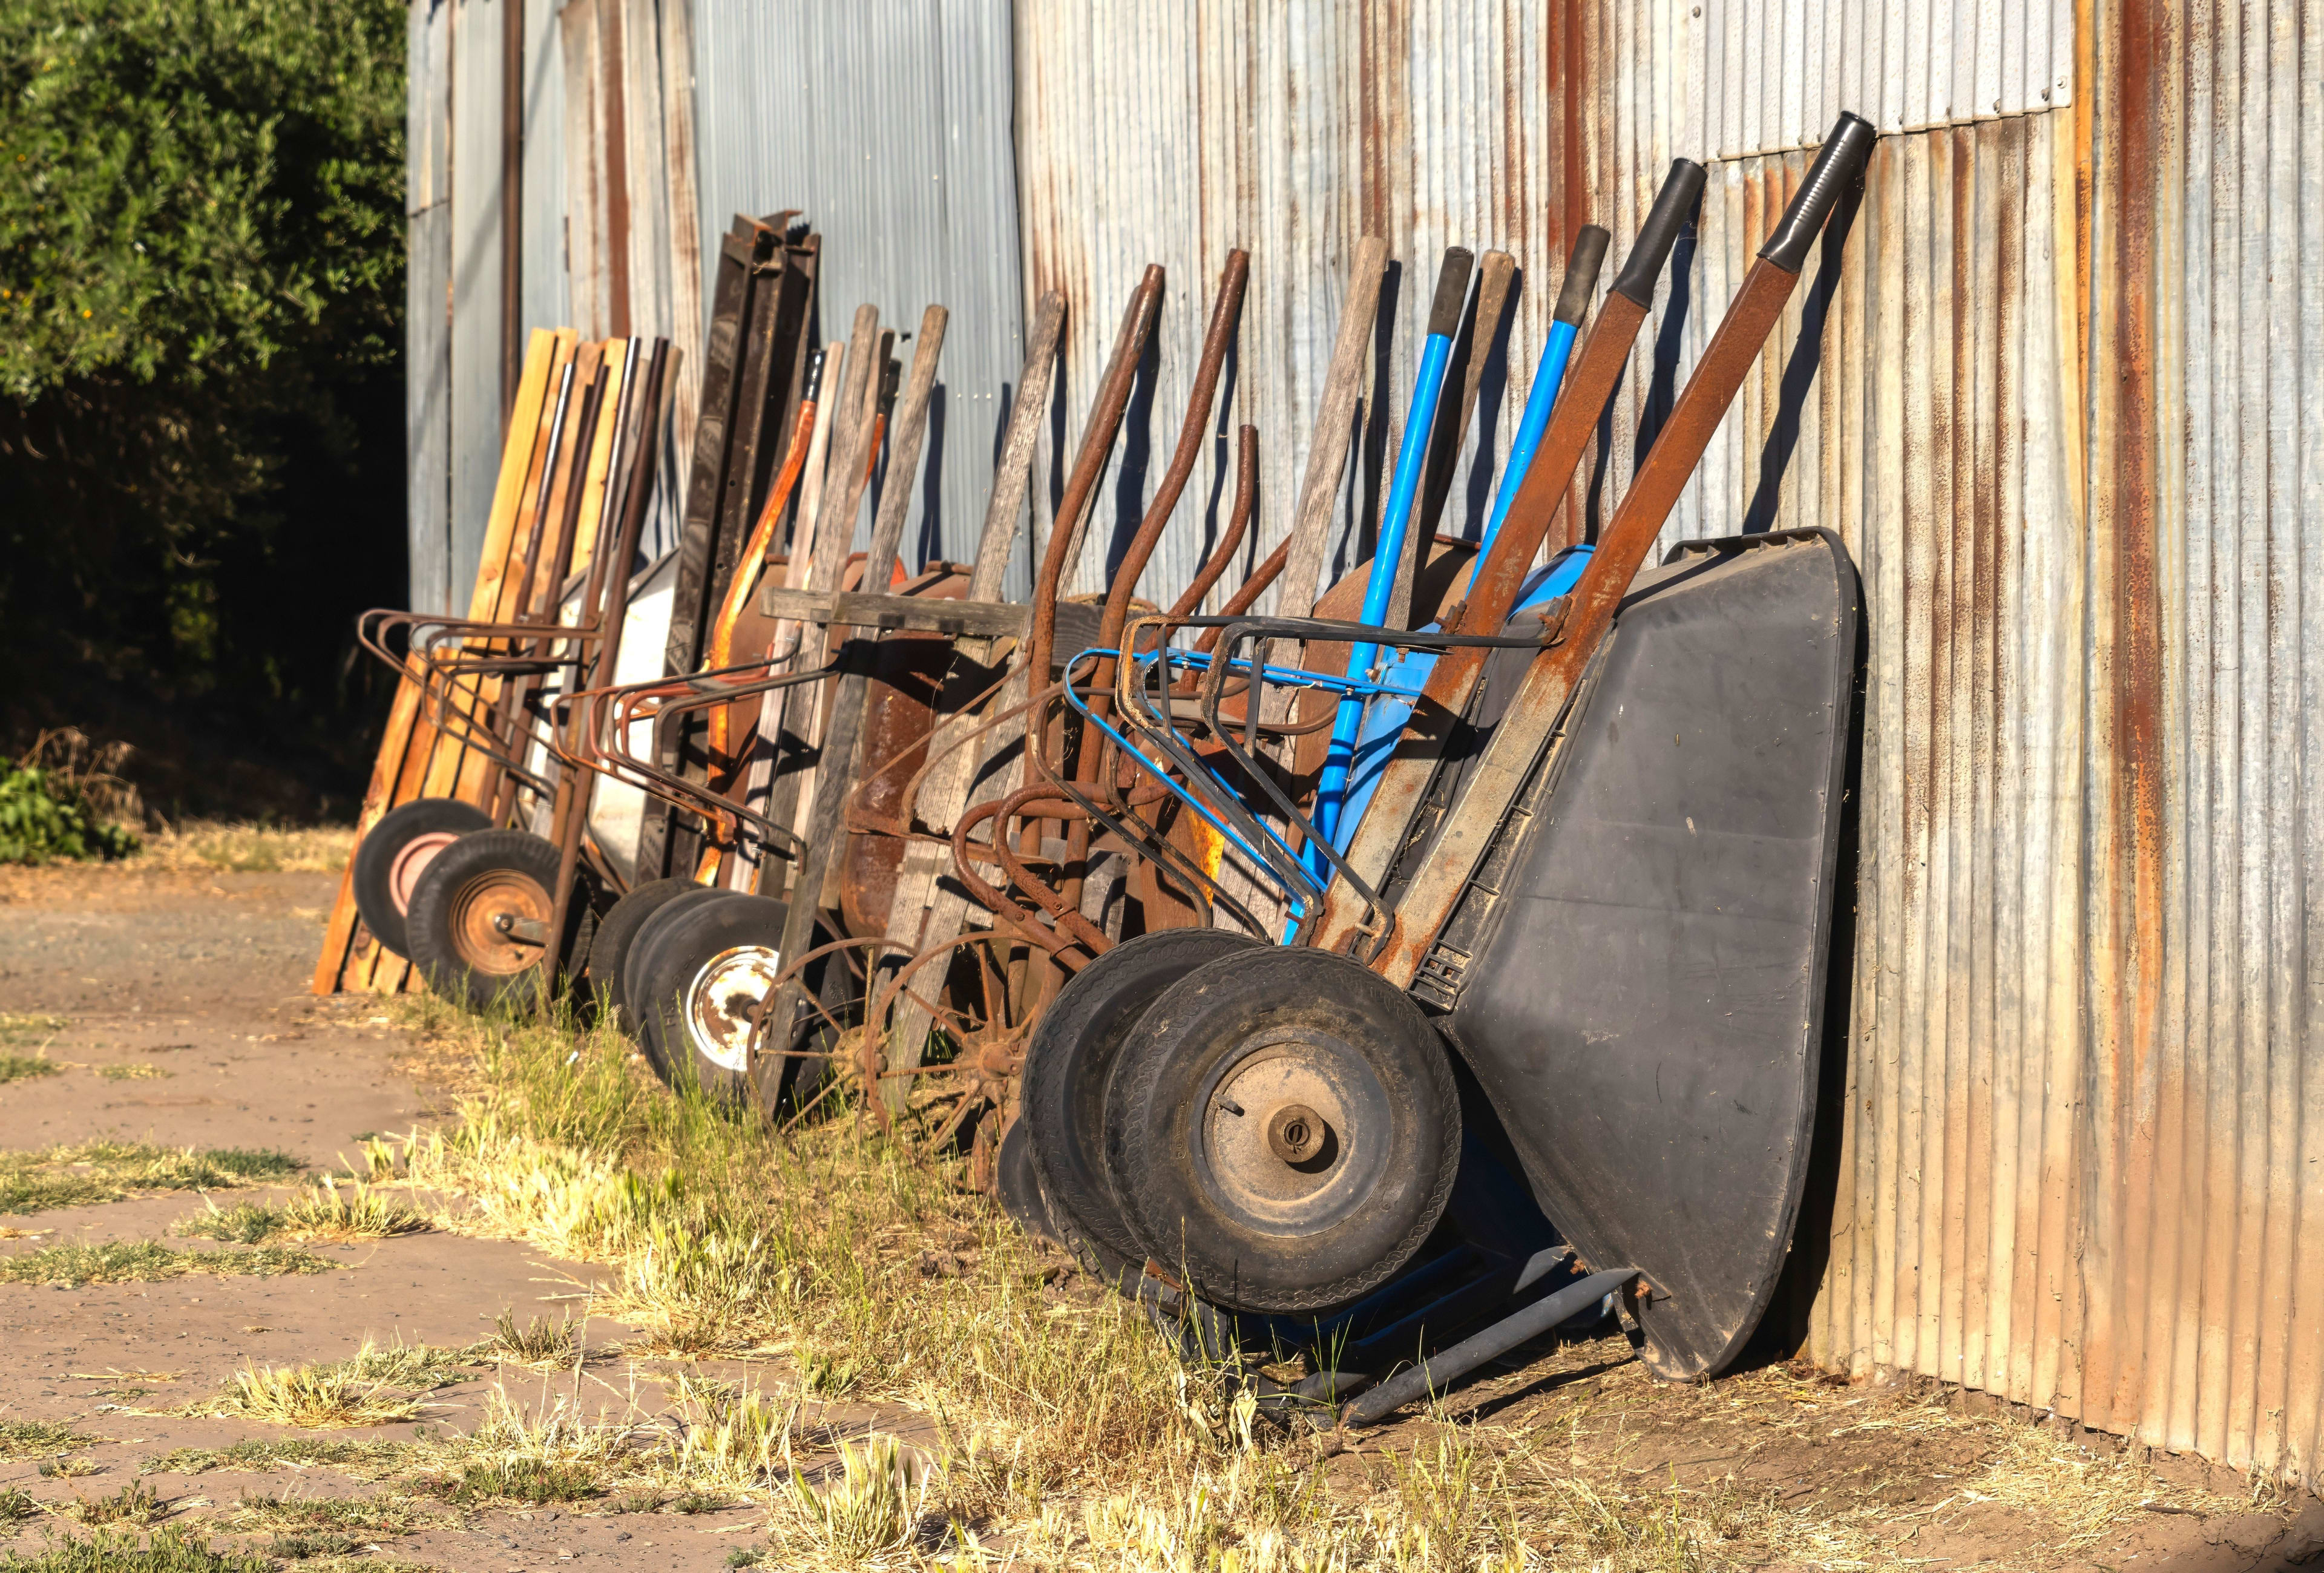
1838, 166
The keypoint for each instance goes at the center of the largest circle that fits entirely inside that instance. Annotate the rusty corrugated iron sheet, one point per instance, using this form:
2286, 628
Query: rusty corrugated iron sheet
1172, 134
2055, 392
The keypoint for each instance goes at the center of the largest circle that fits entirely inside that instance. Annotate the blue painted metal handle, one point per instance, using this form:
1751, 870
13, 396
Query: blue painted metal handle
1539, 400
1411, 457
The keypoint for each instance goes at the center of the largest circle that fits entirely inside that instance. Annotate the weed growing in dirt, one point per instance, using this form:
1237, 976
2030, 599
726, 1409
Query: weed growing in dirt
526, 1480
15, 1032
169, 1551
25, 1067
873, 1504
16, 1027
367, 1458
17, 1506
328, 1213
134, 1503
38, 1438
149, 1261
540, 1344
367, 1516
134, 1070
101, 1171
374, 1386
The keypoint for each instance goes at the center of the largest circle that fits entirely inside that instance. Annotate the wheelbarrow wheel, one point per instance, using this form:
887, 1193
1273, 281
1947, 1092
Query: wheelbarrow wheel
480, 915
1288, 1133
1068, 1062
396, 852
617, 932
639, 1018
711, 965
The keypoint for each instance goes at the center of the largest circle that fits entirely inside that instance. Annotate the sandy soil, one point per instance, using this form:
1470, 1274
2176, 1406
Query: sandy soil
204, 977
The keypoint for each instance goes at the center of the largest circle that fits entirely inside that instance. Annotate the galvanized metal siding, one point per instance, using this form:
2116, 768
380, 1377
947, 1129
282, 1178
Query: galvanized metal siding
1776, 75
475, 282
1174, 134
2059, 400
427, 305
888, 123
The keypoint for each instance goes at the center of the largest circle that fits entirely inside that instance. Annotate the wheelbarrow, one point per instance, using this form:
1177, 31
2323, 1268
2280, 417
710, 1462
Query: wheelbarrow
1550, 1030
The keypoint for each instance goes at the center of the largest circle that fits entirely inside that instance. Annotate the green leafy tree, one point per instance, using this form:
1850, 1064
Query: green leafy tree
201, 267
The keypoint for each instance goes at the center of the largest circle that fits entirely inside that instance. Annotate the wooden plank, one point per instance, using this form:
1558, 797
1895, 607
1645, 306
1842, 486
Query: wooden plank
927, 909
409, 755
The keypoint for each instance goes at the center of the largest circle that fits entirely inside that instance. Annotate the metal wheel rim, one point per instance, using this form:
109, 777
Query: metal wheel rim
478, 911
720, 1001
1244, 1178
411, 861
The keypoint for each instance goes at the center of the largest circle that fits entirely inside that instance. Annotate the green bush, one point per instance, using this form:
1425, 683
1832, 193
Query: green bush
44, 817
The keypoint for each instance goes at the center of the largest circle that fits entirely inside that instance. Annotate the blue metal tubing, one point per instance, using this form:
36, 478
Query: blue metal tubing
1539, 400
1411, 457
1355, 689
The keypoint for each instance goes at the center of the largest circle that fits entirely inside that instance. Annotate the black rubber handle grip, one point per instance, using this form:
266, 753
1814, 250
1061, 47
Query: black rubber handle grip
1452, 289
814, 377
1581, 274
1675, 204
1836, 168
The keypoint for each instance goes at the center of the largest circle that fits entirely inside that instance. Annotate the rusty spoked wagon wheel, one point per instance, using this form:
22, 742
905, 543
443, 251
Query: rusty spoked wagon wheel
396, 852
480, 916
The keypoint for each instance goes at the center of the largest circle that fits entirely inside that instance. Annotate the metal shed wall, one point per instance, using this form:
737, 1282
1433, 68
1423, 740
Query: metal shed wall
1174, 134
2056, 393
888, 123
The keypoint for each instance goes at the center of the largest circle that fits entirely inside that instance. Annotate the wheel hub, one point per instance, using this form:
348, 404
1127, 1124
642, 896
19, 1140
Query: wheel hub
412, 862
722, 1002
1292, 1131
499, 920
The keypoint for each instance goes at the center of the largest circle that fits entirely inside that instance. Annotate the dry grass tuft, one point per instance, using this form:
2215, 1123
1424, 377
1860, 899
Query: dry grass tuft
326, 1213
540, 1344
374, 1386
134, 1503
38, 1438
247, 848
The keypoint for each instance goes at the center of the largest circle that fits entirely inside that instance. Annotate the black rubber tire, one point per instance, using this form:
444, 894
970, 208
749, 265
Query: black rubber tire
1017, 1183
435, 907
685, 939
1068, 1062
384, 844
617, 931
1371, 1216
640, 1021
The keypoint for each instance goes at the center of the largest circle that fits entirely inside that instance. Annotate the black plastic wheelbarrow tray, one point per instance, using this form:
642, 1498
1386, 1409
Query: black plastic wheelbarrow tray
1580, 942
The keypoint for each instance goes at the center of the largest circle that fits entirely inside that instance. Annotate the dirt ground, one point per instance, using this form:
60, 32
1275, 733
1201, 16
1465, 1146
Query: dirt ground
199, 980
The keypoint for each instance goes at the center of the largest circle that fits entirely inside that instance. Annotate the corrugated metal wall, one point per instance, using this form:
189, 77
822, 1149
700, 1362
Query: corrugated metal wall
1172, 134
2056, 393
888, 123
453, 340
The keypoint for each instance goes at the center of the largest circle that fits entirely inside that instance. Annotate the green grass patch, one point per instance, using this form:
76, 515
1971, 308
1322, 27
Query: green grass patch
167, 1550
151, 1262
17, 1506
36, 1179
532, 1480
364, 1515
135, 1070
19, 1028
25, 1067
39, 1438
134, 1503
